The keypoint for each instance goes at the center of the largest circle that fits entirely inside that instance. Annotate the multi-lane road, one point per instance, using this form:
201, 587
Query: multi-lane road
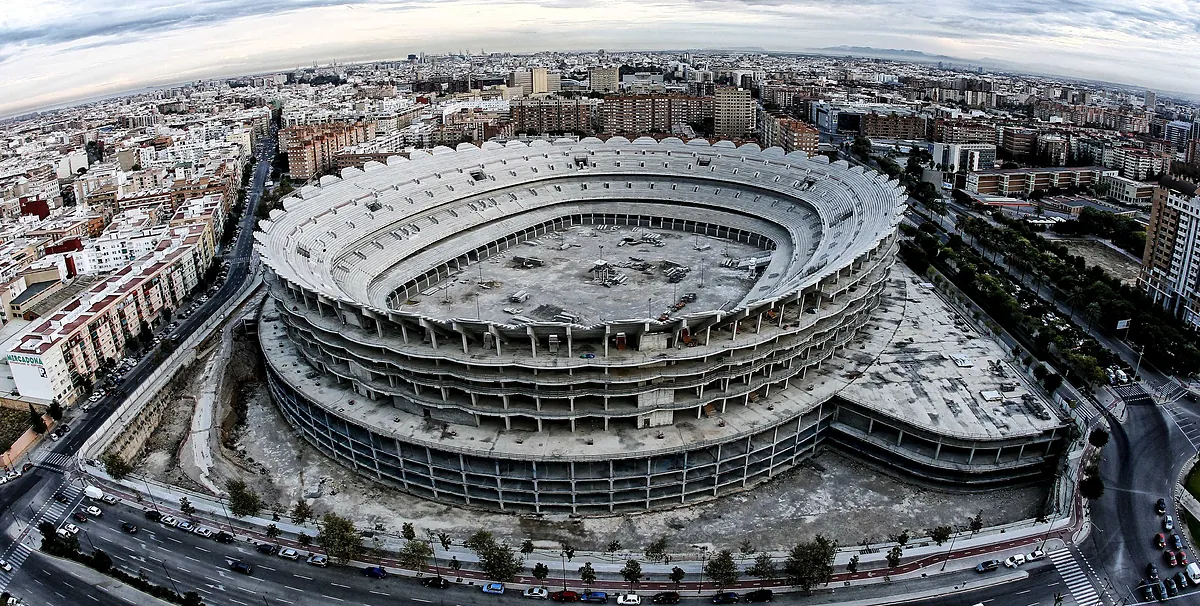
29, 498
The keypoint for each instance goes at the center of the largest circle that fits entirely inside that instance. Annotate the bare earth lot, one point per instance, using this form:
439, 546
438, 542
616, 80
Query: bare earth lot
1112, 261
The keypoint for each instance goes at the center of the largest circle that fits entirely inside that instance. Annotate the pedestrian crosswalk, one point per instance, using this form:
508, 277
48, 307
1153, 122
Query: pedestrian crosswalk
53, 512
1085, 411
54, 459
1077, 581
1133, 394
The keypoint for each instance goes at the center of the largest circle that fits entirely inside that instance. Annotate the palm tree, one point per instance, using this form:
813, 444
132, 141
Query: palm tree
1074, 297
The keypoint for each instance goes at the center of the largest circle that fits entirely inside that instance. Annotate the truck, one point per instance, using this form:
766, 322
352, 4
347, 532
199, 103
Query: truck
93, 493
1193, 572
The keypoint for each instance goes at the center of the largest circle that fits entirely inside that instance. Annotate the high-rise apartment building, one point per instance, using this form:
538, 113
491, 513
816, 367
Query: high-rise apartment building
893, 125
1151, 100
964, 156
778, 130
1019, 142
733, 113
553, 115
963, 131
1171, 263
311, 148
648, 114
604, 79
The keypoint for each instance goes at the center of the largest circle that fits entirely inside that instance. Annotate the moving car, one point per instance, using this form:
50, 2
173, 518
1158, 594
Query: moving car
288, 553
240, 566
111, 500
494, 588
127, 527
725, 597
666, 597
61, 498
375, 572
1161, 506
93, 511
71, 528
564, 596
629, 599
317, 560
5, 566
759, 595
435, 582
79, 517
536, 593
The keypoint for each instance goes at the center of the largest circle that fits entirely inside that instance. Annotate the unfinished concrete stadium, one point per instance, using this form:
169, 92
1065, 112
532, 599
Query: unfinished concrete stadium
607, 326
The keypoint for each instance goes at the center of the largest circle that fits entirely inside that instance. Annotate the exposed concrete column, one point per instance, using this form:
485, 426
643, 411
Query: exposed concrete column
707, 334
607, 331
870, 425
404, 332
937, 453
758, 325
998, 451
971, 458
1020, 452
900, 438
736, 321
532, 340
569, 354
572, 424
495, 336
782, 310
445, 394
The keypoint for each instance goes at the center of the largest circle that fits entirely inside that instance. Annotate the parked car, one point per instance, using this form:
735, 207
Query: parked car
240, 566
1014, 561
1181, 579
375, 572
666, 597
203, 531
1160, 506
629, 599
168, 521
494, 588
317, 560
288, 553
128, 527
1172, 590
564, 596
1160, 540
1168, 523
536, 593
594, 597
1035, 555
1176, 542
1152, 571
987, 566
1147, 591
152, 515
223, 537
436, 582
1169, 556
1181, 557
759, 595
71, 528
725, 597
272, 549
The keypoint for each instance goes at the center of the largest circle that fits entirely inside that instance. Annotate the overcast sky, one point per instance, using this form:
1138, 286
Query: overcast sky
54, 51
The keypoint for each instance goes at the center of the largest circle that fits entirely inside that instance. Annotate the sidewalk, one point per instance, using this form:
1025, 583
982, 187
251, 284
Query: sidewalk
922, 558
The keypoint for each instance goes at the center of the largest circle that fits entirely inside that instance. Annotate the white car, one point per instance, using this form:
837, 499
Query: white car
184, 525
71, 528
203, 531
111, 500
1015, 561
629, 599
1036, 555
288, 553
93, 511
168, 521
5, 566
536, 593
1169, 523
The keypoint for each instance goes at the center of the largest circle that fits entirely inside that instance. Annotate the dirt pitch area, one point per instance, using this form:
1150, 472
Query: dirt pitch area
1115, 262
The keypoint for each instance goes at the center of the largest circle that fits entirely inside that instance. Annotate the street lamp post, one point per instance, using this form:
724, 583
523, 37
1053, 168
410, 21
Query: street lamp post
953, 536
703, 561
89, 539
150, 494
165, 571
563, 554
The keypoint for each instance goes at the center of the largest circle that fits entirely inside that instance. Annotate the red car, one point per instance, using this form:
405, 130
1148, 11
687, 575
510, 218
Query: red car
564, 596
1160, 541
1181, 558
1169, 556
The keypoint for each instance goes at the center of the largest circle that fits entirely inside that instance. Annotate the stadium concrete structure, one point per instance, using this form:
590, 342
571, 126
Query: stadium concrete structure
463, 325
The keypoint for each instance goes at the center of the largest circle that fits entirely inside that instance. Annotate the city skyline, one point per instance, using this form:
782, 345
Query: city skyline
58, 52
